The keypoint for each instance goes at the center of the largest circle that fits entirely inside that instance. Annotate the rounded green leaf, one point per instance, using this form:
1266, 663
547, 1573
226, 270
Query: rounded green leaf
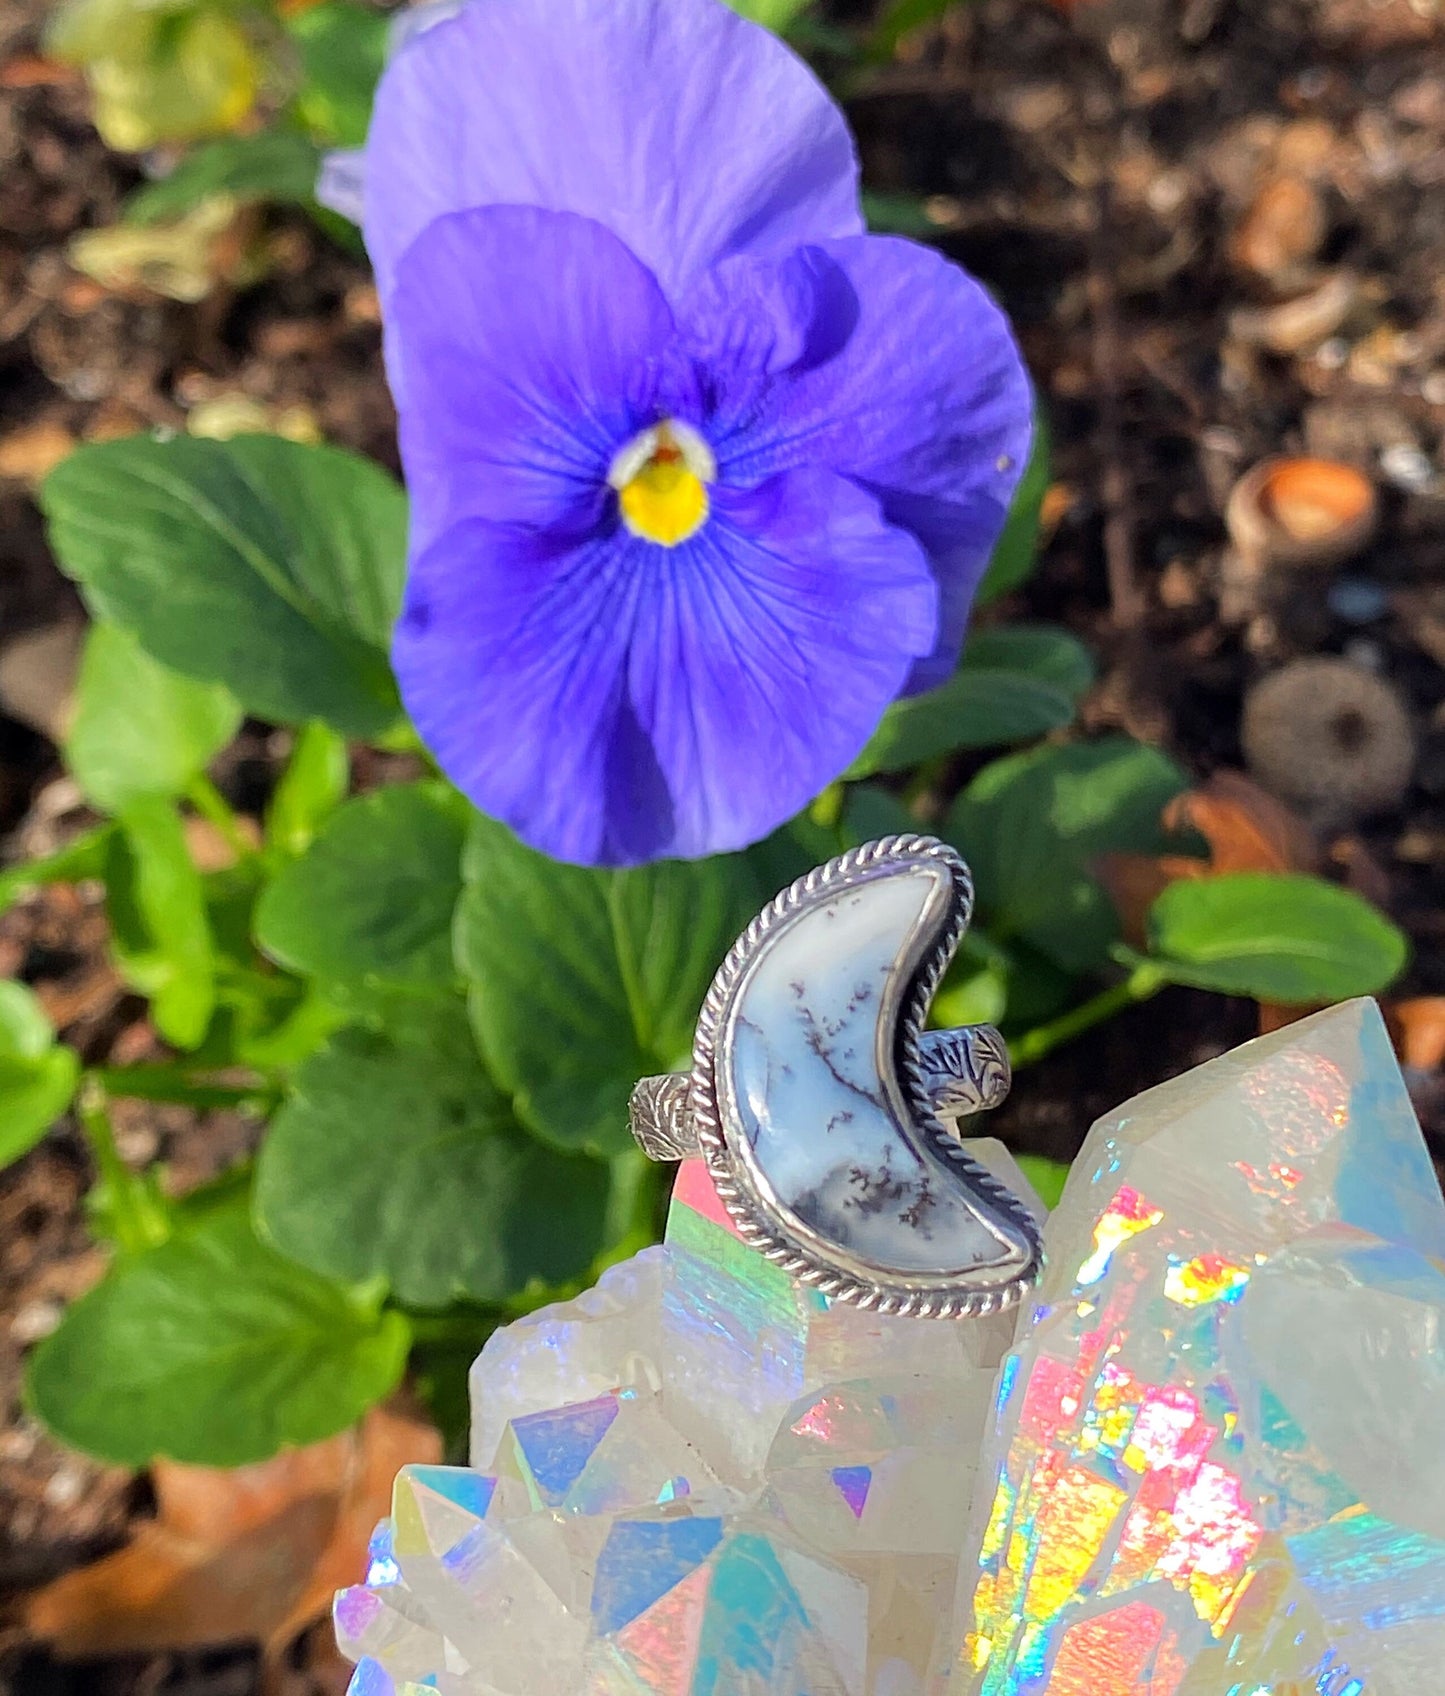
397, 1157
270, 566
1274, 936
371, 900
213, 1349
1045, 652
1032, 825
582, 980
37, 1075
140, 728
1015, 683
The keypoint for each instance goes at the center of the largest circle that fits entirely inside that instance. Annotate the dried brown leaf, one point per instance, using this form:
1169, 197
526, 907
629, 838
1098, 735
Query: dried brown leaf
250, 1555
1246, 828
1418, 1027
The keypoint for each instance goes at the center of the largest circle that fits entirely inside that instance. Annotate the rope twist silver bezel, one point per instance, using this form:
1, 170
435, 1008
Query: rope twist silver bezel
877, 1296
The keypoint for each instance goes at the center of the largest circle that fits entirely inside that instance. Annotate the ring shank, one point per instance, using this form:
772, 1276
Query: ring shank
965, 1071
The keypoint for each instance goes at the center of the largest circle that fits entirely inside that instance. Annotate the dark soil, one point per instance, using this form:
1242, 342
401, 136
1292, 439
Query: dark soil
1096, 164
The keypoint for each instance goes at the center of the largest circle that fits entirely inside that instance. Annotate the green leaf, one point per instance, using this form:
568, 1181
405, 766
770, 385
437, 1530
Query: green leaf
893, 214
398, 1158
794, 849
160, 933
37, 1075
278, 166
273, 567
311, 788
869, 811
1047, 1176
775, 15
83, 858
974, 990
901, 17
1274, 936
1016, 682
343, 50
140, 728
371, 901
1016, 552
1046, 652
1038, 989
584, 980
1032, 825
213, 1349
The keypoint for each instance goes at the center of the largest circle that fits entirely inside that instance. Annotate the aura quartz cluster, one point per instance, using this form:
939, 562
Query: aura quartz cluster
1218, 1467
1211, 1466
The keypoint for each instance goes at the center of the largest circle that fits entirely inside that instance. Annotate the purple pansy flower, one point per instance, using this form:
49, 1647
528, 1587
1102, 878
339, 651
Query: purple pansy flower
702, 475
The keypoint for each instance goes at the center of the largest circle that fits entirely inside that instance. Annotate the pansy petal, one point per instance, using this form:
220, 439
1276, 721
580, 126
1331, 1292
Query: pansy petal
762, 663
927, 403
511, 653
525, 341
748, 320
686, 129
615, 701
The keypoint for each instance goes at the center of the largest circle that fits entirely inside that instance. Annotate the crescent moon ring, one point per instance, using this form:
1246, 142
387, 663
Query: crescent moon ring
827, 1114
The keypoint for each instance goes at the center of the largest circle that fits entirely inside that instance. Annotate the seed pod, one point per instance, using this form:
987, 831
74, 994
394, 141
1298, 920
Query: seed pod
1329, 736
1299, 514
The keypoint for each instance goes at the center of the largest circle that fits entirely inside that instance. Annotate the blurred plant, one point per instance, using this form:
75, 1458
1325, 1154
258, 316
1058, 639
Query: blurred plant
182, 258
167, 70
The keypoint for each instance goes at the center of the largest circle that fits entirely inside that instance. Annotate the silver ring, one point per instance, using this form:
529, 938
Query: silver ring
819, 1101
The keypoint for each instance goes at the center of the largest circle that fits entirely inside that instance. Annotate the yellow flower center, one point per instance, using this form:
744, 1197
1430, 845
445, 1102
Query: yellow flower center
661, 479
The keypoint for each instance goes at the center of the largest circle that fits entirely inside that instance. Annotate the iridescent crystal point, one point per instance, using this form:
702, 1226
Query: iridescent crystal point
1218, 1463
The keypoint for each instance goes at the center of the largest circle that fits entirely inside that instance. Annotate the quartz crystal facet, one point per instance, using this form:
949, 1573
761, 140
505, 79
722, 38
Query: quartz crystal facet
1218, 1463
697, 1479
1211, 1466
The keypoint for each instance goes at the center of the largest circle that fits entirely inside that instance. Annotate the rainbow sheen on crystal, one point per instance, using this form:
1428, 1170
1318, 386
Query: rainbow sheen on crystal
696, 1479
1216, 1461
1211, 1465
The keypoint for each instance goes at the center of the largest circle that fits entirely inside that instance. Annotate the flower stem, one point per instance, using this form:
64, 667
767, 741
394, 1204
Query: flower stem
213, 806
137, 1217
166, 1083
1142, 983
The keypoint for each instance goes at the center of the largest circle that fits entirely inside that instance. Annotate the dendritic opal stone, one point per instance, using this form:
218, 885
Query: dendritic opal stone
1218, 1464
807, 1072
1213, 1464
697, 1479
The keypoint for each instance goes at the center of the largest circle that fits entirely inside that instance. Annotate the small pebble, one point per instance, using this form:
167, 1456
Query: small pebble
1358, 600
65, 1486
1407, 467
18, 1444
1366, 653
34, 1320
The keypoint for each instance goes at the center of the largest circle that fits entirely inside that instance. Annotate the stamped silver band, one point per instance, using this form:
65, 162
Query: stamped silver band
965, 1070
820, 1103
